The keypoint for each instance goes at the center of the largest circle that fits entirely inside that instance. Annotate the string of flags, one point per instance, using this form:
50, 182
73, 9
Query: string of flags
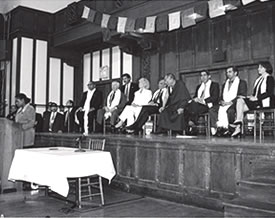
151, 24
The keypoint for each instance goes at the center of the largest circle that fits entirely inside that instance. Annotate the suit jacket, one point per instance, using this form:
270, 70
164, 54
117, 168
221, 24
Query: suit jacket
39, 122
96, 100
242, 90
27, 118
122, 103
133, 88
70, 125
57, 124
214, 94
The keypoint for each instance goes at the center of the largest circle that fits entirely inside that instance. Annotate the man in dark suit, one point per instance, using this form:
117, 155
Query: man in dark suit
53, 121
206, 99
129, 88
91, 101
233, 88
115, 103
69, 117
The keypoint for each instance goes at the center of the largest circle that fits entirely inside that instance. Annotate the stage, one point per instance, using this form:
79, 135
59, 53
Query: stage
201, 171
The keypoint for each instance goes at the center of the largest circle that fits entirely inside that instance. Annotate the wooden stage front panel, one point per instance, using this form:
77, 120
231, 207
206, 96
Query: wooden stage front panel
200, 171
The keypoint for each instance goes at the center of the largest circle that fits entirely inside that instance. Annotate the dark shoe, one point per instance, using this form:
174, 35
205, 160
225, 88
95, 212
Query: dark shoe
192, 131
113, 130
227, 133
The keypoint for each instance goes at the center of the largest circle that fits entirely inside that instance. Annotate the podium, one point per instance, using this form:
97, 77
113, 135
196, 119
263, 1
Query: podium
11, 138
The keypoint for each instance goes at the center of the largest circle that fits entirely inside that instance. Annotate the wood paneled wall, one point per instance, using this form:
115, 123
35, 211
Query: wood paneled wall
242, 38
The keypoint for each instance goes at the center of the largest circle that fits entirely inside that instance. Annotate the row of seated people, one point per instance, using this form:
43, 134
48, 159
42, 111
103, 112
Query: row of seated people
177, 110
130, 105
52, 120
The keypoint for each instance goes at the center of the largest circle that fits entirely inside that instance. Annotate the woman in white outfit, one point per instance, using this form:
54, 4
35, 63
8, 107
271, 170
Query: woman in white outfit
142, 97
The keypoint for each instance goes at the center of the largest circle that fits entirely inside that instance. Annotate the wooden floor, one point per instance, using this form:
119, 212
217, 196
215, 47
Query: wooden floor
118, 204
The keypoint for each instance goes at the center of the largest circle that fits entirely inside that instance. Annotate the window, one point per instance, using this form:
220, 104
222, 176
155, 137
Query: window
111, 57
41, 73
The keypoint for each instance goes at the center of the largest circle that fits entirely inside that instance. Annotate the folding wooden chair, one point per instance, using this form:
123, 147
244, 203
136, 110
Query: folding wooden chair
93, 181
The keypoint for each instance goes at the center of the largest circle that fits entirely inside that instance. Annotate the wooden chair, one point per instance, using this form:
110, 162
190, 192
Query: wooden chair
106, 124
154, 118
93, 181
205, 123
259, 115
262, 128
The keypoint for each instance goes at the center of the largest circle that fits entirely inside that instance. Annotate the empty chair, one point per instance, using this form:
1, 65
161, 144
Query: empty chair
91, 182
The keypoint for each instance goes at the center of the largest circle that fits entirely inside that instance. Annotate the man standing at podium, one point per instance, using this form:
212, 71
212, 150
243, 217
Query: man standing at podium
26, 116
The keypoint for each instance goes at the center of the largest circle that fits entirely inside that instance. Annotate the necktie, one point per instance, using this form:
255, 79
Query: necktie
112, 98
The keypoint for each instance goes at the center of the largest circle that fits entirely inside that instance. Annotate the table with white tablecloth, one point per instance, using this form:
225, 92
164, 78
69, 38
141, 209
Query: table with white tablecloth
53, 166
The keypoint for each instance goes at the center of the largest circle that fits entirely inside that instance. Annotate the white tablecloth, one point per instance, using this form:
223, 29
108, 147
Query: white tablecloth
48, 167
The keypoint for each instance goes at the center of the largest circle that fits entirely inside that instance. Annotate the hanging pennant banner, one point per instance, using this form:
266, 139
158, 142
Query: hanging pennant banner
231, 4
174, 20
200, 11
85, 12
121, 24
150, 24
112, 24
130, 25
105, 20
188, 18
162, 23
216, 8
98, 18
140, 23
246, 2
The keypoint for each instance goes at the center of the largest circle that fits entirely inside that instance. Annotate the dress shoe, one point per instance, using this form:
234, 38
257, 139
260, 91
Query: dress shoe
227, 133
119, 124
237, 133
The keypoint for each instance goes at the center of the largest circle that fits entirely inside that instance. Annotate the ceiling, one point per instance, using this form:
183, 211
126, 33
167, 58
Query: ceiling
51, 6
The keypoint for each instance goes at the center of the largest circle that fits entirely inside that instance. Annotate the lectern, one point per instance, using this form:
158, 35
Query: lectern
11, 138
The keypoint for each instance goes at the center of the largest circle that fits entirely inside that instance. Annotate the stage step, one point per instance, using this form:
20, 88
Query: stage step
260, 189
248, 208
264, 168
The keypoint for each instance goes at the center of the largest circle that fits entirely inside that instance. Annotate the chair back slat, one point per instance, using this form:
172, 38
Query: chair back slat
97, 144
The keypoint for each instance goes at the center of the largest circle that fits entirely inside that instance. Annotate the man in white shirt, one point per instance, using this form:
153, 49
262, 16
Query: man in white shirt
91, 101
115, 103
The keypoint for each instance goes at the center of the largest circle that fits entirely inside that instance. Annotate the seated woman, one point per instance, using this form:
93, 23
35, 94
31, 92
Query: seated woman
262, 95
142, 97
